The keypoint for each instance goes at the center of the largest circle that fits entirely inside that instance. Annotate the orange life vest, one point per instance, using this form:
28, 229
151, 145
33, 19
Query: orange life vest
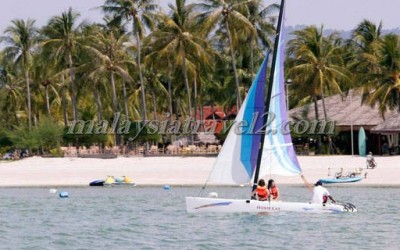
274, 192
262, 192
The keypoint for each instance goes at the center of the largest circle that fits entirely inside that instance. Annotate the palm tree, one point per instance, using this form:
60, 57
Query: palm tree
175, 41
263, 19
62, 34
364, 43
366, 35
141, 13
111, 59
316, 65
386, 82
20, 45
11, 84
227, 14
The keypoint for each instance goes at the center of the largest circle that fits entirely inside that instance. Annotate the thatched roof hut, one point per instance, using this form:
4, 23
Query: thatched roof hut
348, 109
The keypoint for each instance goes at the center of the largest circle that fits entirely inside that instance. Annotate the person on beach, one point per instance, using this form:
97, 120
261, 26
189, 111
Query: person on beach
321, 194
261, 192
370, 161
273, 190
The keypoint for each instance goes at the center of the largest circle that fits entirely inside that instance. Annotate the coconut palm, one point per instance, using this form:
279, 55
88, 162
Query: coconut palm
62, 35
316, 66
229, 15
364, 44
316, 63
141, 13
386, 82
20, 40
111, 59
263, 19
176, 41
12, 88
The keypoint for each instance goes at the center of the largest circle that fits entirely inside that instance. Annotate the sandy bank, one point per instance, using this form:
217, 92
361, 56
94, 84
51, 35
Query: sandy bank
37, 171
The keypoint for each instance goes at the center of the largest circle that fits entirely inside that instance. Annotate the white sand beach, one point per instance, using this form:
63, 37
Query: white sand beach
38, 171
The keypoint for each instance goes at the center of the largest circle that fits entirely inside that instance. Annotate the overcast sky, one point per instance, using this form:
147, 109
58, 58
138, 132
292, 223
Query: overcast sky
336, 14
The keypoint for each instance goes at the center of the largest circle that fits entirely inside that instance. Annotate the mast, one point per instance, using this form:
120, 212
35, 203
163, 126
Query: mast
268, 100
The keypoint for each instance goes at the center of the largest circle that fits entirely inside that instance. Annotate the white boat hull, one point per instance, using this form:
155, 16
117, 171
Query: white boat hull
218, 205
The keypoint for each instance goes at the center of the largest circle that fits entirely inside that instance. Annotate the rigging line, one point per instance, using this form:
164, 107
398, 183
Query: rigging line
267, 102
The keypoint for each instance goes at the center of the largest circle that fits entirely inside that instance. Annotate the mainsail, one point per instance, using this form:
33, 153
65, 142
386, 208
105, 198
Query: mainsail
238, 157
278, 154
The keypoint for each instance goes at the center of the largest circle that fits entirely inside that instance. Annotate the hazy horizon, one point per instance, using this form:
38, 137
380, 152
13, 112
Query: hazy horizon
338, 14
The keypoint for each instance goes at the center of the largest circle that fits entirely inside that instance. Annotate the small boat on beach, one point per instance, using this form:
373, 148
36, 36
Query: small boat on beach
340, 177
340, 180
110, 181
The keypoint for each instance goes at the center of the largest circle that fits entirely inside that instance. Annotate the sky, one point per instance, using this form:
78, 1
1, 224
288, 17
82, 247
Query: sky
333, 14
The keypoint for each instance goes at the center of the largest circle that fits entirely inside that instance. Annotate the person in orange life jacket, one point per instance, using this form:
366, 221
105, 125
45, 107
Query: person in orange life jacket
321, 194
273, 190
261, 191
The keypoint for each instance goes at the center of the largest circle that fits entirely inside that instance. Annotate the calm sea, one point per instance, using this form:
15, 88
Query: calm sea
151, 218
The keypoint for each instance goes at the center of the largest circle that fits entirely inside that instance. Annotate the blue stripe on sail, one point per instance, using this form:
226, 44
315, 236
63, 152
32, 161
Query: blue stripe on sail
285, 156
255, 106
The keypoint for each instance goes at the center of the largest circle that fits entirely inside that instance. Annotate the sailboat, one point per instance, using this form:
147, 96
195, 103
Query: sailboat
248, 154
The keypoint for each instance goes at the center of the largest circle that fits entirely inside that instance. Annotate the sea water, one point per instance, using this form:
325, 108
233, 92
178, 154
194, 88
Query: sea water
154, 218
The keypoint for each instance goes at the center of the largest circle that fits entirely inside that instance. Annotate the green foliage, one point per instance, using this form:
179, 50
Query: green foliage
139, 133
21, 137
86, 139
48, 133
206, 53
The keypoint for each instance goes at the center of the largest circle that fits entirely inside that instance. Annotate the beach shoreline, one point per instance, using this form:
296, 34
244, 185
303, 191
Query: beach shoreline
179, 171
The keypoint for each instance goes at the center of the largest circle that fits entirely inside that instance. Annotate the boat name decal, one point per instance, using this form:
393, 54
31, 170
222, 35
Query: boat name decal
268, 208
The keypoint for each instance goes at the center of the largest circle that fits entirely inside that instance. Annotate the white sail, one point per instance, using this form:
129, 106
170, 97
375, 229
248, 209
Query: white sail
278, 155
238, 157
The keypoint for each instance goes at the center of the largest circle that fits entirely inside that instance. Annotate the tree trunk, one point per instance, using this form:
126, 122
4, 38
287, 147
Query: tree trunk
28, 95
15, 113
190, 137
64, 104
318, 149
143, 94
170, 97
47, 100
239, 99
114, 93
252, 60
326, 120
115, 107
64, 107
195, 98
125, 100
153, 97
73, 87
98, 104
187, 87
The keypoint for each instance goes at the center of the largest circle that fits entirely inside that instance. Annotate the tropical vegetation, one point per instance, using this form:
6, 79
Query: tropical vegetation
144, 61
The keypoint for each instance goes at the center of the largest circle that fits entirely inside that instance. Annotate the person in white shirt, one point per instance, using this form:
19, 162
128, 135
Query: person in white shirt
321, 194
370, 161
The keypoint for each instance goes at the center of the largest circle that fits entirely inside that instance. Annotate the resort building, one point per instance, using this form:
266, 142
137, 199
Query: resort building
349, 114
